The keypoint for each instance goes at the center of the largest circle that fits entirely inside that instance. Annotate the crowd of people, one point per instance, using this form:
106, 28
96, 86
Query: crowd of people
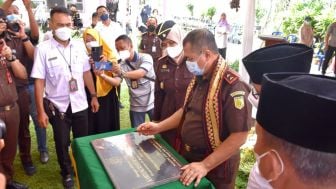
199, 105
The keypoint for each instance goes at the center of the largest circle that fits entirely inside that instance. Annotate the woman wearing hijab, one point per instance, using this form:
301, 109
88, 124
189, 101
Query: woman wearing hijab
172, 76
221, 34
107, 118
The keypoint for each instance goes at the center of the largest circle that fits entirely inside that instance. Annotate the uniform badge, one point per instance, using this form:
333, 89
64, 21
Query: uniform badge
239, 102
238, 98
164, 66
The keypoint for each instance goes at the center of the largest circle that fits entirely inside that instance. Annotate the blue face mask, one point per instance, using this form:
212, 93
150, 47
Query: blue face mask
193, 67
104, 17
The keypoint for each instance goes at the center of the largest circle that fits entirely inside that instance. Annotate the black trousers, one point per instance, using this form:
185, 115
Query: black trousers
328, 55
62, 125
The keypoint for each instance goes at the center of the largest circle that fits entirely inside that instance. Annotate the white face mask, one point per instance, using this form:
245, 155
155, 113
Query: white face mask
253, 99
256, 180
91, 44
173, 52
124, 55
63, 33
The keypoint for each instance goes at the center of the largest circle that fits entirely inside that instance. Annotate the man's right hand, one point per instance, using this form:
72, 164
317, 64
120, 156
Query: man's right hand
43, 120
148, 128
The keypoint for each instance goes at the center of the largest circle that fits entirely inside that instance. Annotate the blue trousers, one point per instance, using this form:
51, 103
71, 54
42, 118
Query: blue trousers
41, 135
139, 117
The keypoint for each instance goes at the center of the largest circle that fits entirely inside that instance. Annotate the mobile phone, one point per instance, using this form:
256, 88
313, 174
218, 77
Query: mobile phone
96, 52
103, 66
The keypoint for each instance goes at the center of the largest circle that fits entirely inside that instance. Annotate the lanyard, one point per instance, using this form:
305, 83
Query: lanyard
69, 64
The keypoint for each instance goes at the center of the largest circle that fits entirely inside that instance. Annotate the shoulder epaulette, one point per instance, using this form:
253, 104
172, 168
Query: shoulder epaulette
231, 76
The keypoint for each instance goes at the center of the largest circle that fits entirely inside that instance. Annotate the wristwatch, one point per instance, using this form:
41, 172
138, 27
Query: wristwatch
12, 59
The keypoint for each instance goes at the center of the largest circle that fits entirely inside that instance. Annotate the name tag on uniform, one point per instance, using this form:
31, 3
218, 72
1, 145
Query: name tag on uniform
73, 85
153, 48
52, 58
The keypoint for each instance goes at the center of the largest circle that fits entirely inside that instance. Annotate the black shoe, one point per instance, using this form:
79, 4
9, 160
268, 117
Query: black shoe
68, 182
29, 168
44, 157
15, 185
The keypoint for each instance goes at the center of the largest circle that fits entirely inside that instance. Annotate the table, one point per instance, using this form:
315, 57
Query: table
92, 175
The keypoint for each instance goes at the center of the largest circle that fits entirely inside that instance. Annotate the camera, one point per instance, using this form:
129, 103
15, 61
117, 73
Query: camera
77, 21
2, 129
13, 23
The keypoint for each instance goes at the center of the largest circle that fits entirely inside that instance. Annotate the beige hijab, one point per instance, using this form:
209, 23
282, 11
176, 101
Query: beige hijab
176, 34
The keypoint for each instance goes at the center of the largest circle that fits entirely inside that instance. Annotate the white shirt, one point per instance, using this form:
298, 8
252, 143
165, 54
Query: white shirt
51, 63
221, 35
110, 33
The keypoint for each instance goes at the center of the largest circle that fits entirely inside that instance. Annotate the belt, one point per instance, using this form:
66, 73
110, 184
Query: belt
194, 150
7, 108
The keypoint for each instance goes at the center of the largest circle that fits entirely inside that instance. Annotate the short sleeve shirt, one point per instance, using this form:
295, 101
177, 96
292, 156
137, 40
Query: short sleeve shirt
57, 65
141, 90
110, 33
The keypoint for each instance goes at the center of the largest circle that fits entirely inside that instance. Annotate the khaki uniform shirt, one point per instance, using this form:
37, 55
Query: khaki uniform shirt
234, 119
171, 84
8, 94
151, 44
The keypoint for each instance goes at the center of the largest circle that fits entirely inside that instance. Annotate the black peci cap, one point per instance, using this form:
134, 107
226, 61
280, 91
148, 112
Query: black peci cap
287, 57
164, 28
299, 108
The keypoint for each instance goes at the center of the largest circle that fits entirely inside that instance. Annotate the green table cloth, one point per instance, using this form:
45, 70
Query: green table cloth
92, 175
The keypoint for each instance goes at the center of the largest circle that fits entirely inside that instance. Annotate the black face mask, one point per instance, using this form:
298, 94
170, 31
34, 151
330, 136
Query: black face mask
151, 28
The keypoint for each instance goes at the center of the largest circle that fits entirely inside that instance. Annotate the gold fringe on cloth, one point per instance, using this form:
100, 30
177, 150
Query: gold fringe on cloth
211, 105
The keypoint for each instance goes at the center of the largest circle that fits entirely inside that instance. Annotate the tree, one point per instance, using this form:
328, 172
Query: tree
190, 7
211, 12
313, 9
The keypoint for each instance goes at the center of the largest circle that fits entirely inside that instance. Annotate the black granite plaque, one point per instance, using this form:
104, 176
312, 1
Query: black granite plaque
135, 161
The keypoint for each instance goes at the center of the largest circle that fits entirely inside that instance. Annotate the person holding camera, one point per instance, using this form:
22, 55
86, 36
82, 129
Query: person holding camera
10, 68
108, 117
77, 21
26, 91
138, 71
61, 71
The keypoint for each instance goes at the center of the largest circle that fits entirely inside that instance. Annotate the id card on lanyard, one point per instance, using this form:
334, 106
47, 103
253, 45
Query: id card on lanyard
73, 86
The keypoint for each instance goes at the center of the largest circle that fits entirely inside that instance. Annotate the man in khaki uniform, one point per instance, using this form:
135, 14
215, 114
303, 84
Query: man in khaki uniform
10, 67
215, 118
